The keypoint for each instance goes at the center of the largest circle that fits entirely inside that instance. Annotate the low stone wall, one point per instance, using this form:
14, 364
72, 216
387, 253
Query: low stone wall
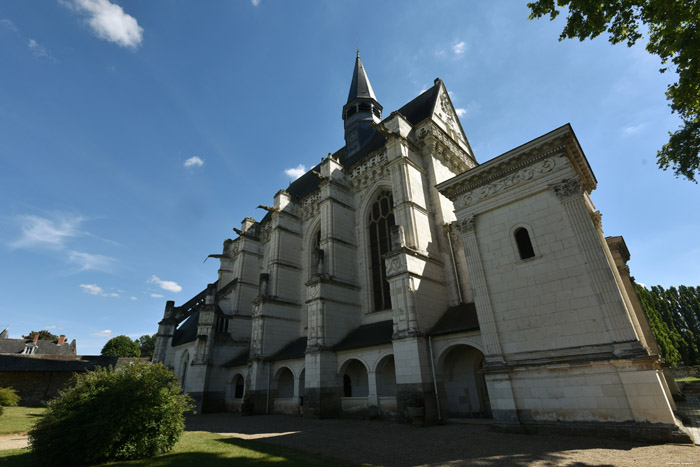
36, 387
685, 371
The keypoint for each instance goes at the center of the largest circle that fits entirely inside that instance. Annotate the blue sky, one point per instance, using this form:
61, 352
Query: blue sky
135, 135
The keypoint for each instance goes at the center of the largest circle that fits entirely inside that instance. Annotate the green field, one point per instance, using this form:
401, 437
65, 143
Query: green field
194, 448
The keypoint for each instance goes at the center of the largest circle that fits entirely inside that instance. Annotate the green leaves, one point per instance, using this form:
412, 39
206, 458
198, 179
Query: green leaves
121, 346
674, 35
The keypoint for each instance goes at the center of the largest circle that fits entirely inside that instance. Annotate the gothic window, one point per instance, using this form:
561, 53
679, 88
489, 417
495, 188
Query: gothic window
522, 239
380, 222
316, 259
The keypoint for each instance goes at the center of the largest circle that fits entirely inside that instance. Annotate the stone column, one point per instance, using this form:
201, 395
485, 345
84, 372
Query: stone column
570, 193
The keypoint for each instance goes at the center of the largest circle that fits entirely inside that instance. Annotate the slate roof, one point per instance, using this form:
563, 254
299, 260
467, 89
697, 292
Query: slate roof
43, 347
294, 349
360, 87
367, 335
421, 107
239, 360
458, 318
187, 331
54, 363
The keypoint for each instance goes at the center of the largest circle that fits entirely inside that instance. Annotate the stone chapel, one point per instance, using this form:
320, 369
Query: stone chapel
400, 272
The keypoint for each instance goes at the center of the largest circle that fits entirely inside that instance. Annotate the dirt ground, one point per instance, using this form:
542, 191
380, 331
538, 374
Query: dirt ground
391, 444
13, 441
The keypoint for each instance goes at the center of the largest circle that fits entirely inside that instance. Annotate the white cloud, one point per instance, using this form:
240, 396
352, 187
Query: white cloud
92, 289
39, 50
156, 295
633, 129
133, 298
194, 161
105, 333
296, 172
170, 286
459, 48
255, 2
109, 22
91, 262
49, 327
461, 112
43, 232
9, 25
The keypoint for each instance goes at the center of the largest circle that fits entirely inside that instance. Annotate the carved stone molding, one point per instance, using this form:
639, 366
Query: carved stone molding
466, 225
445, 149
523, 175
597, 219
568, 188
373, 168
395, 265
310, 206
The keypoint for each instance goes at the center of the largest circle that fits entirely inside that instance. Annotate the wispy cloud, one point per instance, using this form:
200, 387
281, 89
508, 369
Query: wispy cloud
105, 333
156, 295
91, 262
170, 286
133, 298
633, 129
49, 327
94, 289
109, 22
296, 172
194, 161
44, 232
461, 112
39, 50
255, 2
459, 48
8, 25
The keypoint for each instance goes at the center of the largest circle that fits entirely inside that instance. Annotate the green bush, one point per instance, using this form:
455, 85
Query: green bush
8, 398
112, 414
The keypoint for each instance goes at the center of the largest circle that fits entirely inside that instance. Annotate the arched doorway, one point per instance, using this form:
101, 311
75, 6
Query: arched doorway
386, 384
465, 387
355, 383
285, 383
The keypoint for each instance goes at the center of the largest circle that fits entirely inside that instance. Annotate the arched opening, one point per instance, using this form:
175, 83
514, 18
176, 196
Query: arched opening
380, 220
386, 377
238, 386
465, 386
185, 363
522, 239
355, 383
285, 383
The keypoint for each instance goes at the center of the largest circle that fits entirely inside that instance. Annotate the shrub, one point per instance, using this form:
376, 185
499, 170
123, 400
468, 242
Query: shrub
8, 398
112, 414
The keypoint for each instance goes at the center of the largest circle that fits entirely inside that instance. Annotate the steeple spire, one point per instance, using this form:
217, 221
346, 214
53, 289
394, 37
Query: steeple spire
361, 109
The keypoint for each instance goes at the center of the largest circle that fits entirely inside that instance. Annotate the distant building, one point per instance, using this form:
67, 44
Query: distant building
400, 272
35, 346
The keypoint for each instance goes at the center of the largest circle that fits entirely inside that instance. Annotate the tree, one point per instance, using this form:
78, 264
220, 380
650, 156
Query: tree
44, 335
121, 346
112, 414
674, 35
147, 345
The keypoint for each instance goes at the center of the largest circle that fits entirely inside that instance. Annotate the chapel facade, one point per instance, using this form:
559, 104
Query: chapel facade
399, 273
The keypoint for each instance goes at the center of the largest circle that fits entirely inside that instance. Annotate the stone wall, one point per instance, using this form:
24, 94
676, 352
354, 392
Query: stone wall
36, 387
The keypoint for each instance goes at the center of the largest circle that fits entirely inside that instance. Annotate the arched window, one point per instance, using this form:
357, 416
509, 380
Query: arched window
380, 221
238, 387
185, 364
316, 258
522, 239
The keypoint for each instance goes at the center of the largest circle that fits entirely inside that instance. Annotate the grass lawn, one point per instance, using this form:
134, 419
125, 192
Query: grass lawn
207, 449
19, 419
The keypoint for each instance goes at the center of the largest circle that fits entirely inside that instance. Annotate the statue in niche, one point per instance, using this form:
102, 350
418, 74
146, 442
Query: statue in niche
318, 260
398, 237
262, 284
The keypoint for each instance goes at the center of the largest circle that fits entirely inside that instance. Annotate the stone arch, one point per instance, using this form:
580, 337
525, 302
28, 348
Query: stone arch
355, 378
463, 381
386, 377
377, 221
523, 241
284, 380
238, 386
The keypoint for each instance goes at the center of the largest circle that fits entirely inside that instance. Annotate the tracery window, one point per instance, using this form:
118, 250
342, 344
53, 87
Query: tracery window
522, 239
380, 221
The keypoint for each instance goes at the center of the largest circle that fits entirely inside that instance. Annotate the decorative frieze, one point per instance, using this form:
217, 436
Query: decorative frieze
373, 168
445, 149
310, 206
525, 174
466, 225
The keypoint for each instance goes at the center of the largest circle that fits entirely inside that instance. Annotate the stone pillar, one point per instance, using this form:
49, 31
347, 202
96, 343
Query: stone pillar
570, 193
323, 387
372, 398
164, 338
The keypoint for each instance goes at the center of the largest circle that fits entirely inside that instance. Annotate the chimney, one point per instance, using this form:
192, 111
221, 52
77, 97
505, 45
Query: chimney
36, 338
61, 339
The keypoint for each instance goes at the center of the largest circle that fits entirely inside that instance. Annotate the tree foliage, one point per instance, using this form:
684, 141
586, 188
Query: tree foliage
44, 335
8, 397
673, 28
121, 346
112, 414
147, 345
674, 317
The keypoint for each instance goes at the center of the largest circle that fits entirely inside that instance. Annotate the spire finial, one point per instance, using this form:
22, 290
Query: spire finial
357, 47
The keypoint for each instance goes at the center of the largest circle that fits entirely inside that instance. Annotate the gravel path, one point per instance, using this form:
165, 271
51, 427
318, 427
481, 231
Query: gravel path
391, 444
13, 441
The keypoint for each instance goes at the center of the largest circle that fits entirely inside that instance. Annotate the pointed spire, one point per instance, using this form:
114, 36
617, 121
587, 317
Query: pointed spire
360, 87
